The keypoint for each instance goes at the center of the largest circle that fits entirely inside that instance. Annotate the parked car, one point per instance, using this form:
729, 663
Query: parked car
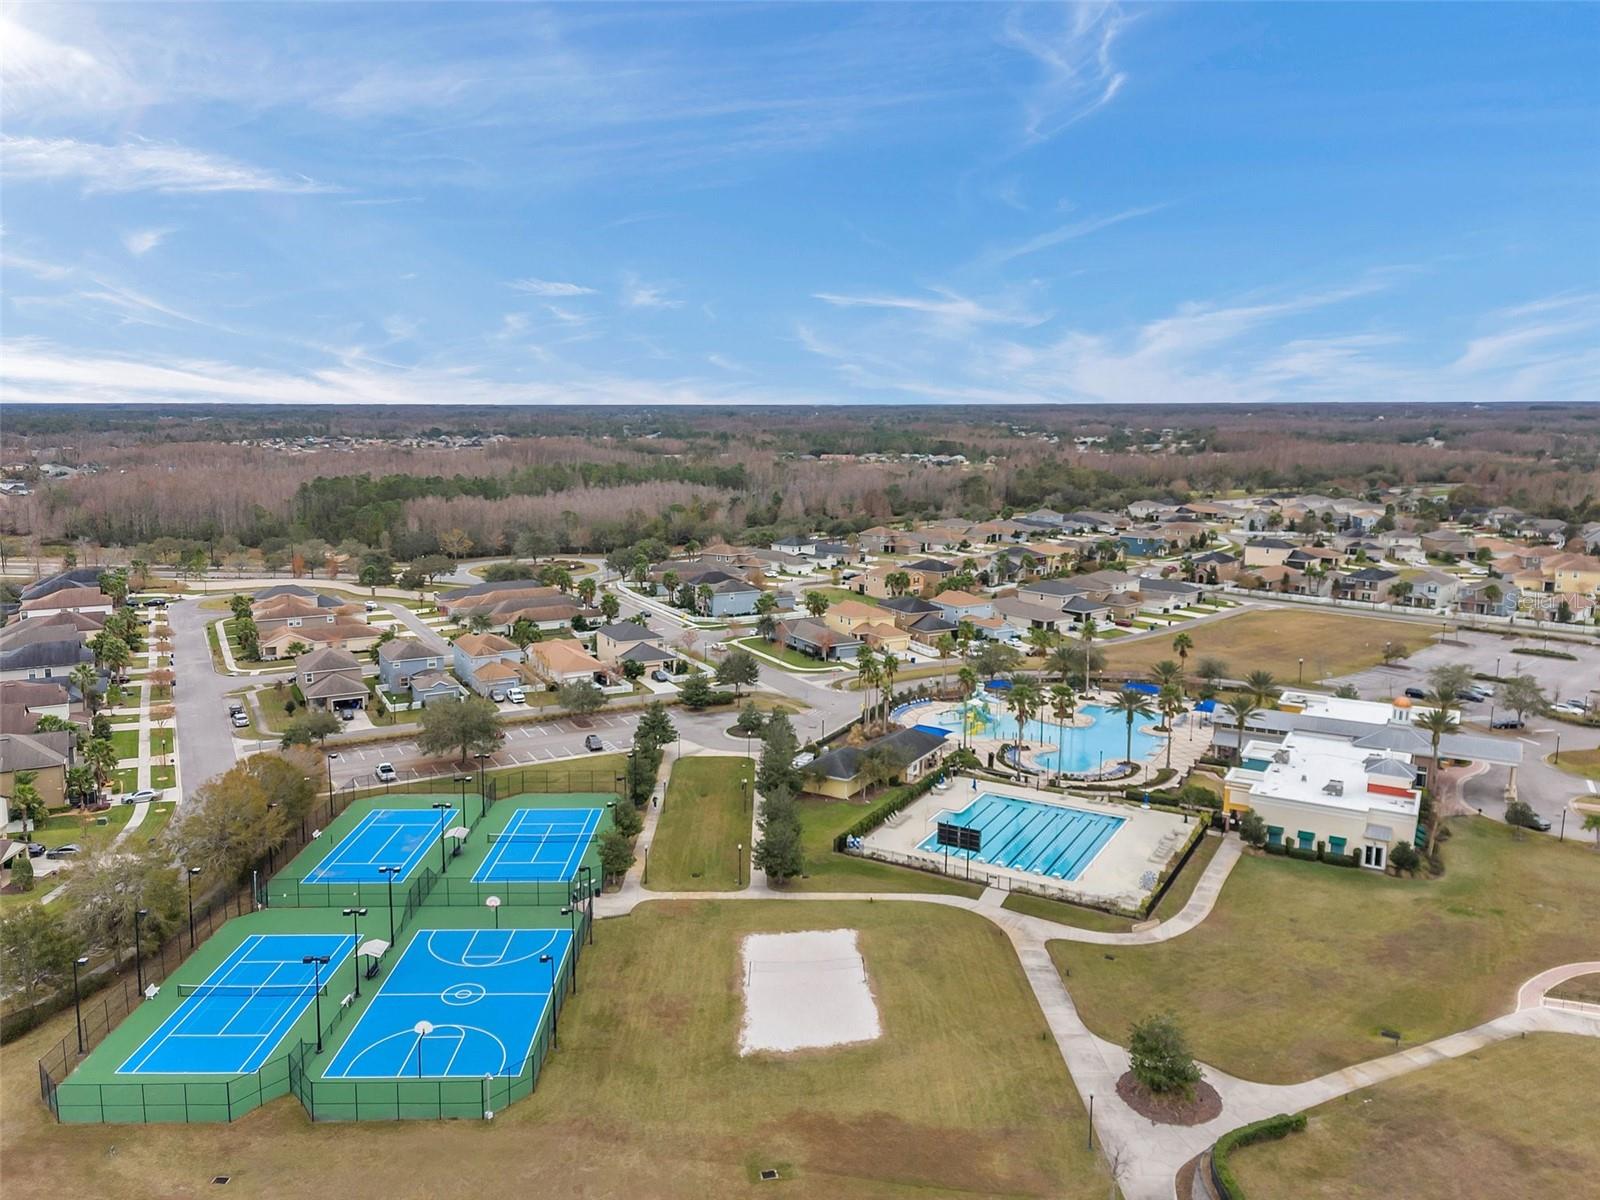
142, 796
498, 695
35, 849
386, 773
240, 720
67, 851
1416, 693
1576, 707
1505, 723
370, 605
348, 713
1475, 694
236, 706
516, 695
593, 744
661, 675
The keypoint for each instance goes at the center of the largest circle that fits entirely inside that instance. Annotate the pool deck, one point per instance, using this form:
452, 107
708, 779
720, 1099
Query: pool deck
1143, 845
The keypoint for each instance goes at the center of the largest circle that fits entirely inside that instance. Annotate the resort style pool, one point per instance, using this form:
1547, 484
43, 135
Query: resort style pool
1072, 751
1044, 839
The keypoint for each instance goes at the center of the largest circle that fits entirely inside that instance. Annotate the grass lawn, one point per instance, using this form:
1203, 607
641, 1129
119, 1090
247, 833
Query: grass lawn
163, 777
125, 742
835, 594
1092, 918
1585, 763
274, 704
826, 870
127, 778
964, 1095
702, 819
788, 657
1506, 1122
80, 827
1301, 965
1332, 643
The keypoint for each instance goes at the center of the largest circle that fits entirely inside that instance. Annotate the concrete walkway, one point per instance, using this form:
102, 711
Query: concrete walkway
1151, 1154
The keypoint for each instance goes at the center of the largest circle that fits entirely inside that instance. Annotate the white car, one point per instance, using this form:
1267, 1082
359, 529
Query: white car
1574, 707
386, 773
516, 695
142, 796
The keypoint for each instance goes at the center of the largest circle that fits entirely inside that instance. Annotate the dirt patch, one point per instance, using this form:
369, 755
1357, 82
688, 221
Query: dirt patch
1203, 1106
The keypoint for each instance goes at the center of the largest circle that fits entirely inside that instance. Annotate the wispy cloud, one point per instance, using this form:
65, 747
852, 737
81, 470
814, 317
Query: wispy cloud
636, 293
944, 304
549, 287
1072, 48
140, 166
1522, 338
139, 242
42, 74
1065, 233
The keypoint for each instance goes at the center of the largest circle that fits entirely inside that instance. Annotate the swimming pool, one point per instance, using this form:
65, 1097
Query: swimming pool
1079, 750
1042, 839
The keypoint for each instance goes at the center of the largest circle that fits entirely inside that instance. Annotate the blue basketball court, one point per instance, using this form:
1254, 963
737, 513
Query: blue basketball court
386, 837
233, 1022
482, 994
539, 845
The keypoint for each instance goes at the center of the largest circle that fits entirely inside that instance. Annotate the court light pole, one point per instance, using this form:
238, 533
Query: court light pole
388, 874
139, 915
738, 864
189, 875
332, 754
483, 793
77, 1002
317, 961
587, 875
555, 1037
443, 807
355, 915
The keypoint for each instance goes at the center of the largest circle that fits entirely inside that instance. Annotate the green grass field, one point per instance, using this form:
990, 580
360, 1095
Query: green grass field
1584, 763
1301, 965
964, 1095
1332, 643
821, 821
1513, 1120
783, 654
836, 594
704, 817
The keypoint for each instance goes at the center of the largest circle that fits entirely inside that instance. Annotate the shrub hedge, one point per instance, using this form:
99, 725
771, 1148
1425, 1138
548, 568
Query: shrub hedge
1269, 1130
891, 803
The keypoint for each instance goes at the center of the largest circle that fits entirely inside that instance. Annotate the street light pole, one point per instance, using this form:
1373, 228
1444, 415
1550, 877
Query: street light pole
355, 915
192, 872
444, 810
317, 961
738, 865
332, 754
77, 1002
138, 951
571, 913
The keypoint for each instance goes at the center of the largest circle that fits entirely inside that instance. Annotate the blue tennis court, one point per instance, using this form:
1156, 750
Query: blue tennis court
386, 837
1043, 839
482, 992
539, 845
233, 1022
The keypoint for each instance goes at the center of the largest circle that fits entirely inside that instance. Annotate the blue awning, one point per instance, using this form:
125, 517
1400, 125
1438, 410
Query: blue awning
1144, 689
1206, 706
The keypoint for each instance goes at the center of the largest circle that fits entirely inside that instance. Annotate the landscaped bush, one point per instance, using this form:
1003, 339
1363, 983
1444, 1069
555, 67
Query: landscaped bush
890, 803
1544, 652
1269, 1130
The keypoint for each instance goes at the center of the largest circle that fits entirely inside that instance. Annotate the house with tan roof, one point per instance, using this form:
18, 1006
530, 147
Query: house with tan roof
87, 600
563, 660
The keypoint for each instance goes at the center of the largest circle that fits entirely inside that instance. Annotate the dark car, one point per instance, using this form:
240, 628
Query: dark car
1416, 693
592, 743
35, 849
1505, 723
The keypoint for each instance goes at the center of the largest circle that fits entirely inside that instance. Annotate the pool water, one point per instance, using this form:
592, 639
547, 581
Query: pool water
1074, 751
1042, 839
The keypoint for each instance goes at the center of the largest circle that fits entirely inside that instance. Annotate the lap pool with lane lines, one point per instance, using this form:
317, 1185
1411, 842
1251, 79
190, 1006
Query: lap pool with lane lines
1024, 835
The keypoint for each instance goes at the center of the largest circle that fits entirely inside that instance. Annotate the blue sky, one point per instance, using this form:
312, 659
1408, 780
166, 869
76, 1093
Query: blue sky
936, 204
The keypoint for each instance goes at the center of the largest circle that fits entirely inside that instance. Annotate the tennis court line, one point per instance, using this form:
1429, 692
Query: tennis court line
400, 822
581, 832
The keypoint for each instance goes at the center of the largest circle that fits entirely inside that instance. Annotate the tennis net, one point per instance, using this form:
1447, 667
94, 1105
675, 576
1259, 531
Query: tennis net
244, 992
536, 839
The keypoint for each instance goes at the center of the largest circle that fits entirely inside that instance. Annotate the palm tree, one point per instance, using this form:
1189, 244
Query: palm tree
1166, 672
867, 676
1263, 688
967, 680
1170, 701
1063, 707
1060, 662
1130, 704
1242, 707
946, 646
1436, 722
102, 756
1181, 645
1592, 821
1088, 630
1041, 640
890, 667
1023, 703
84, 679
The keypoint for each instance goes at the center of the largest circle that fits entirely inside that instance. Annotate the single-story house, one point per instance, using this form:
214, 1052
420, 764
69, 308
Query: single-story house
352, 636
432, 686
87, 600
838, 773
1028, 615
563, 660
810, 637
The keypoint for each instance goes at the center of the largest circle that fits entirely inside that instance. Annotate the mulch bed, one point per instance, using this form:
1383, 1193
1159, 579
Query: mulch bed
1170, 1110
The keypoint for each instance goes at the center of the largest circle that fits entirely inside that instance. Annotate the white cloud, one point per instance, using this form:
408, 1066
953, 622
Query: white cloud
400, 328
1078, 73
1066, 233
1565, 316
140, 242
636, 293
549, 287
42, 74
140, 166
949, 306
